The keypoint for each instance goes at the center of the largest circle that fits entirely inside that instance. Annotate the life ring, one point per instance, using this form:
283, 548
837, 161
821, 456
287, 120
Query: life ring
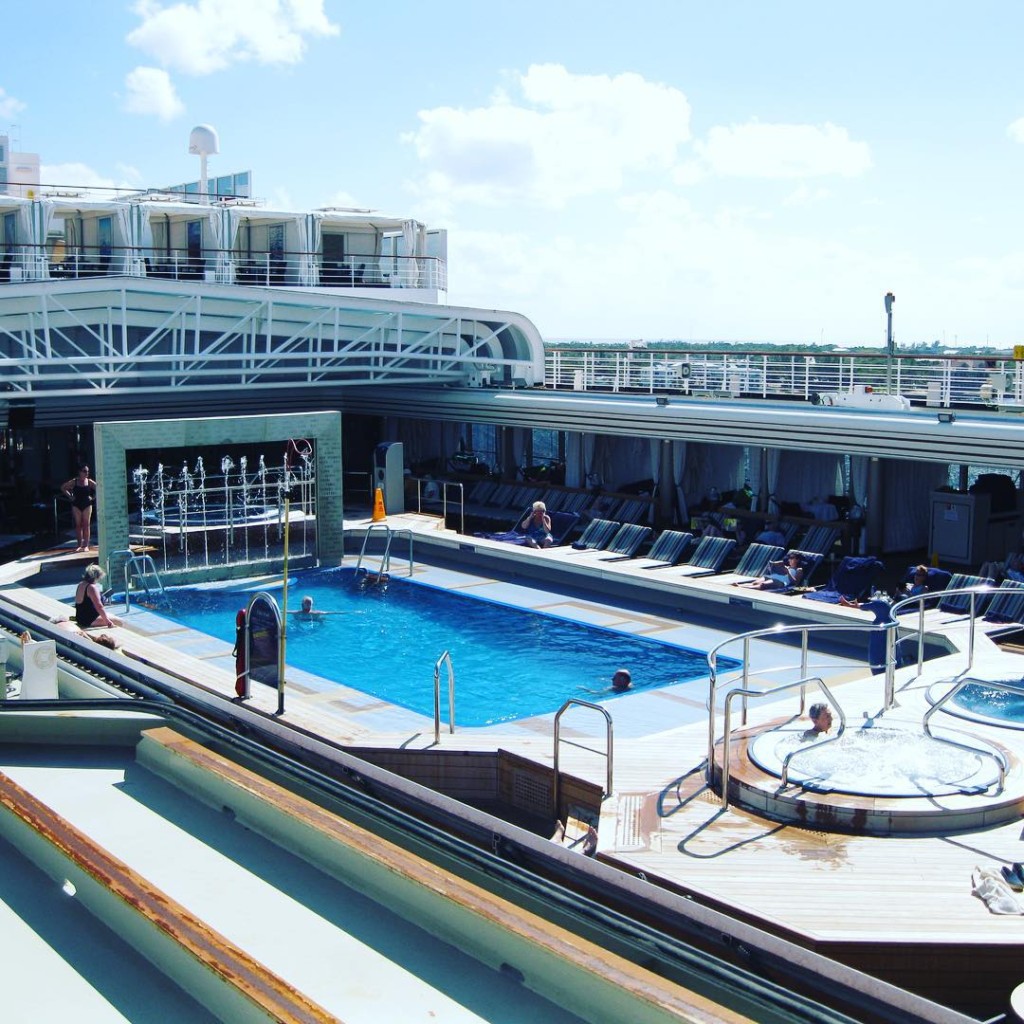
239, 653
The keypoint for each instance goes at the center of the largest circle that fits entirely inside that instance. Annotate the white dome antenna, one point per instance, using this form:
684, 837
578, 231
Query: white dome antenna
203, 142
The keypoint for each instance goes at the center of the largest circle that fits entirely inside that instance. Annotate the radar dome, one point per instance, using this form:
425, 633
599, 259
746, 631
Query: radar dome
203, 141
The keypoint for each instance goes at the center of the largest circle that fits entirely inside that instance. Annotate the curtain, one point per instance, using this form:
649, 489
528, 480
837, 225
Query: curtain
573, 459
771, 506
678, 470
905, 523
591, 477
808, 477
519, 438
859, 479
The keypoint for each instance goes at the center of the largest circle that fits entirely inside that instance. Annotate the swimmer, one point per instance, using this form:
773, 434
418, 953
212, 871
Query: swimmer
307, 611
622, 680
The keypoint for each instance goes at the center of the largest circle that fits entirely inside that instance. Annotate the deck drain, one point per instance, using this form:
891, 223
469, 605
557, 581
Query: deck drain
627, 824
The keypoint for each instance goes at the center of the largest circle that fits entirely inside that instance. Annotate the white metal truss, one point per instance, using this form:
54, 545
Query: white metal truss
69, 339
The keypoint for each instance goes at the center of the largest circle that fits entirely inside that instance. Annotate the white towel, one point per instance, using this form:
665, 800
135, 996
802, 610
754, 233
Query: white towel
988, 885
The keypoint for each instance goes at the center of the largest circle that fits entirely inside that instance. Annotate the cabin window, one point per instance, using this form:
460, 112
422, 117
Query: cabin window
275, 239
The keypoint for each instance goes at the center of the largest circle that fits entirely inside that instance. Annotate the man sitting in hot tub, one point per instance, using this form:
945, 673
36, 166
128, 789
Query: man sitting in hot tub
538, 527
821, 721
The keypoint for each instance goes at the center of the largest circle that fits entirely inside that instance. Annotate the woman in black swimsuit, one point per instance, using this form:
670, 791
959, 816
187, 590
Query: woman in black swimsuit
81, 490
89, 610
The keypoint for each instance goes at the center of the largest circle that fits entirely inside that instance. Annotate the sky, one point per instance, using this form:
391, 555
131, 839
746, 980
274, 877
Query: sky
760, 171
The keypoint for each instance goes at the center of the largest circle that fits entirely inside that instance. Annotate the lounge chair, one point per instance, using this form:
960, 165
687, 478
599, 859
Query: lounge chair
819, 538
668, 550
960, 604
1007, 603
562, 524
707, 557
39, 670
626, 542
852, 579
597, 536
809, 562
753, 564
936, 580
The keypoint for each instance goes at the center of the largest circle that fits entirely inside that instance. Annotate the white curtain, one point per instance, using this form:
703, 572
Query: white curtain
905, 523
806, 477
519, 438
772, 470
678, 469
573, 459
754, 479
591, 475
314, 240
858, 487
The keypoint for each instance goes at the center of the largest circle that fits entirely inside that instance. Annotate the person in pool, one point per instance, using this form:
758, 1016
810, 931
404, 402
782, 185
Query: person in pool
622, 680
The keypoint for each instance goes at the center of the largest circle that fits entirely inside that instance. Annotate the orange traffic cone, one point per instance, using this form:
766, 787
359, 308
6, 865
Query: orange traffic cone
379, 515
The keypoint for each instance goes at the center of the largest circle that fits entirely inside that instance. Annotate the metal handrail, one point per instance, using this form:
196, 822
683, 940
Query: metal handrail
773, 632
936, 597
390, 534
32, 262
939, 381
745, 693
462, 503
445, 658
960, 683
608, 752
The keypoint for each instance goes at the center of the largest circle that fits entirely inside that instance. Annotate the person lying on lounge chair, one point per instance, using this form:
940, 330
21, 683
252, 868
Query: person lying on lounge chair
781, 575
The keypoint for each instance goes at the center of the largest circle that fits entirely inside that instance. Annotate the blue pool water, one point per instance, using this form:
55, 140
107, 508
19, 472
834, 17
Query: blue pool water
992, 702
509, 663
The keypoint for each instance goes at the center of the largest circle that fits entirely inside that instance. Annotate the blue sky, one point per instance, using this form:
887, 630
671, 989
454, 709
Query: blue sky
750, 171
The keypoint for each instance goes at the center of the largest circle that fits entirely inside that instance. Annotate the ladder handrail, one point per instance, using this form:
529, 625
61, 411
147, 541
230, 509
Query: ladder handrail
608, 752
137, 566
389, 535
446, 657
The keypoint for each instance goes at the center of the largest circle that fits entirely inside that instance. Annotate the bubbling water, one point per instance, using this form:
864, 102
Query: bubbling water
879, 760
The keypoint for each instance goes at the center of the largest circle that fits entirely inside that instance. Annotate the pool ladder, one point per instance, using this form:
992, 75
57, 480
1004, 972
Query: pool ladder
445, 659
139, 568
389, 536
607, 753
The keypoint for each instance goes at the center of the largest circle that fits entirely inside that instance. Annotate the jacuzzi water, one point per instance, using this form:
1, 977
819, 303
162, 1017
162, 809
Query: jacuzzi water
878, 760
987, 702
509, 663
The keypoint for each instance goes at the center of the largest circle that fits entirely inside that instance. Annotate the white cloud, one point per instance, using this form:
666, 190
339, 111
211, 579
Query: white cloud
210, 35
782, 151
562, 136
1016, 130
84, 177
9, 106
150, 91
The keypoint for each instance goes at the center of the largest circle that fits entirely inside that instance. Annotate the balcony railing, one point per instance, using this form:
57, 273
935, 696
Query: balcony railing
277, 268
932, 380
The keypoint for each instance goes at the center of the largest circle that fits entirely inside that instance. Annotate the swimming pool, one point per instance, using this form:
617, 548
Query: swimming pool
509, 663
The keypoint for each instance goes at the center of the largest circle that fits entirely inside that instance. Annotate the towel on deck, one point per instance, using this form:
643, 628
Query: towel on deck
988, 885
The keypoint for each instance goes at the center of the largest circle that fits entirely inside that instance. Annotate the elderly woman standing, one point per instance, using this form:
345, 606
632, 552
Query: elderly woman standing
538, 527
81, 489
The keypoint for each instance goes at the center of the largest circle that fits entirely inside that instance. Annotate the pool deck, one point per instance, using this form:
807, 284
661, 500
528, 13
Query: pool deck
897, 906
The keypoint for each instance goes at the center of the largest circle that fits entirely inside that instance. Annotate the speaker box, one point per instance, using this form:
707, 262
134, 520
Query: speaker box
21, 417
